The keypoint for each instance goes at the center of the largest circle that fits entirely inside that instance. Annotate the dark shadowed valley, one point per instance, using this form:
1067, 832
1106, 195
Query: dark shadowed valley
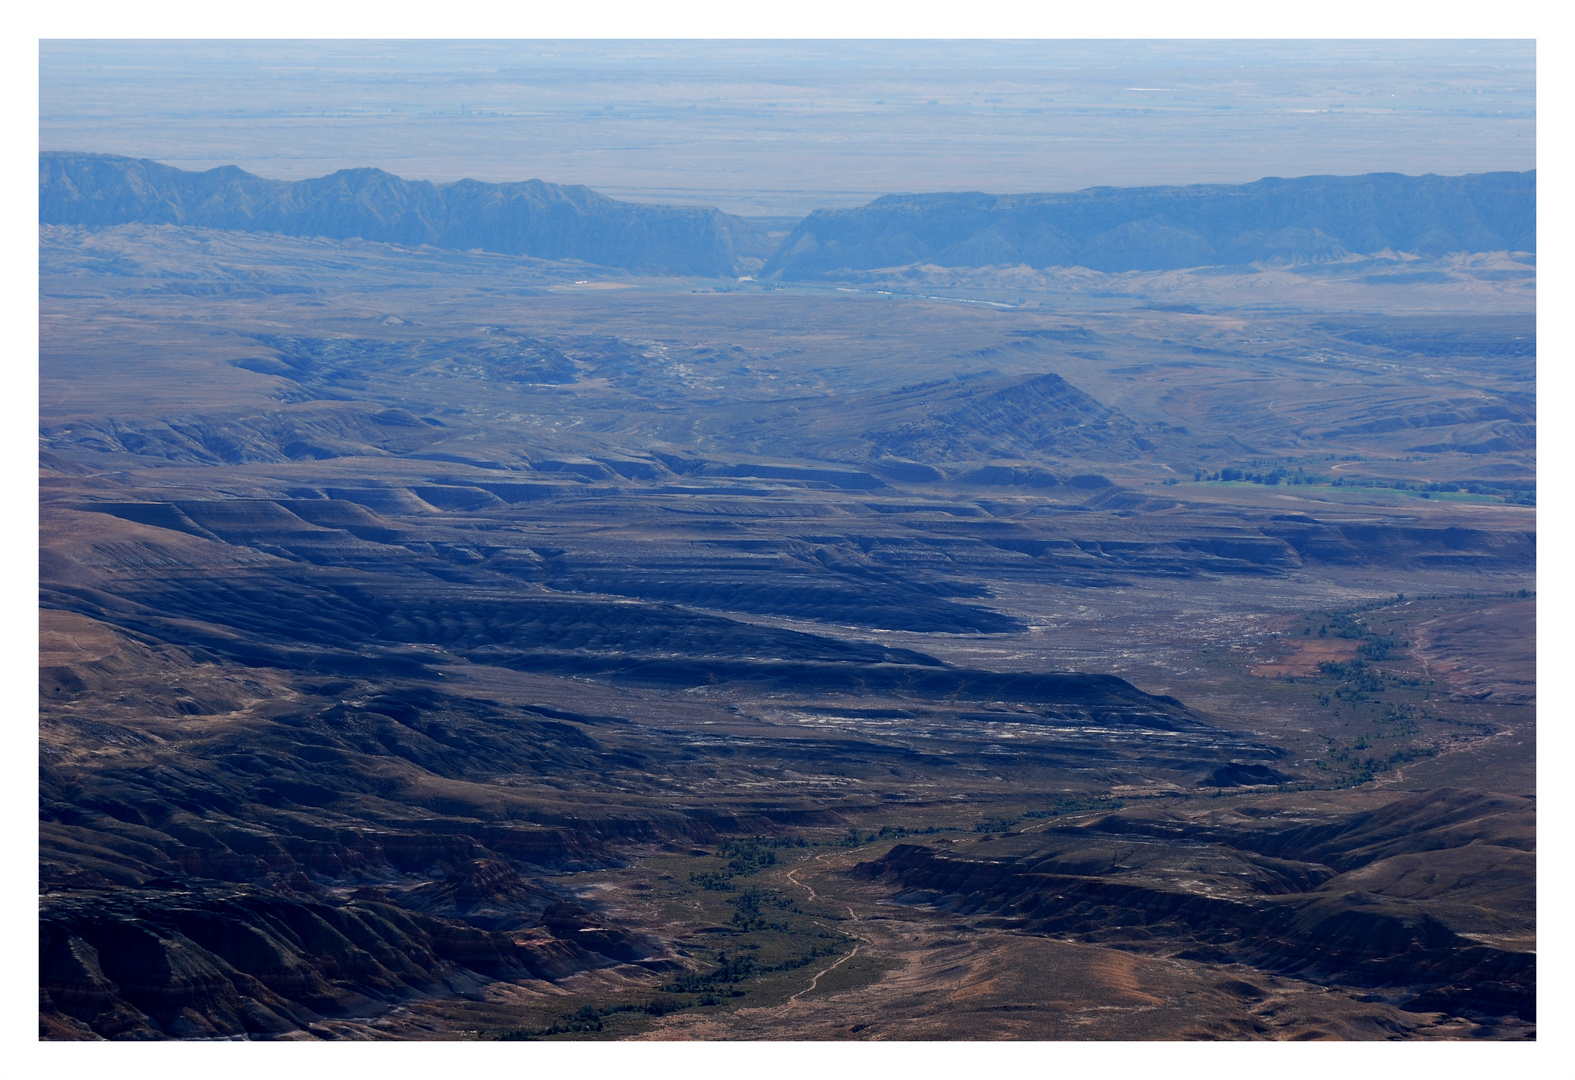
497, 611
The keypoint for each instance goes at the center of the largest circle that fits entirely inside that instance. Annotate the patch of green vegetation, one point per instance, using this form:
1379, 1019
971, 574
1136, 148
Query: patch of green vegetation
732, 970
591, 1019
899, 831
862, 970
854, 838
745, 856
1069, 805
1272, 474
749, 854
1378, 711
1356, 681
747, 914
1001, 823
1352, 767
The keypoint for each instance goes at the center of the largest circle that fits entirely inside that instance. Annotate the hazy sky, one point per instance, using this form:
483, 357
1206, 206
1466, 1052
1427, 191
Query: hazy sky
783, 127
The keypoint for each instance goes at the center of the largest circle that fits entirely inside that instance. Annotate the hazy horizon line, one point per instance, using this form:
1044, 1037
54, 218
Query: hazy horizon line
908, 191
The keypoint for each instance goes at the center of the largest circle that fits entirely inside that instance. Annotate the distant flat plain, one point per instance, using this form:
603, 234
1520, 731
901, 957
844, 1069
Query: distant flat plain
781, 128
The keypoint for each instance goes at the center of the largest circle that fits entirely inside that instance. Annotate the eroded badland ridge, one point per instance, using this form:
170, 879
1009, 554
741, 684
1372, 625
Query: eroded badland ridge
474, 644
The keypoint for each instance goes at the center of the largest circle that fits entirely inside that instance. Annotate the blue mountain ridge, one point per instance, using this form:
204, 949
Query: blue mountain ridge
1166, 228
547, 221
1106, 229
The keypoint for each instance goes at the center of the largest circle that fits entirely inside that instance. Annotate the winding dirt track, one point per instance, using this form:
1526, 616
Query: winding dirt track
799, 883
814, 982
824, 971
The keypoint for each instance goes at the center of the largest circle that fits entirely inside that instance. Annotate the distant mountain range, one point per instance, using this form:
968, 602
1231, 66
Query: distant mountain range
1106, 229
547, 221
1169, 228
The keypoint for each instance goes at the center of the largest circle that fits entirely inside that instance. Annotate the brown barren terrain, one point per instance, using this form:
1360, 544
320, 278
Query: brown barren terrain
433, 646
